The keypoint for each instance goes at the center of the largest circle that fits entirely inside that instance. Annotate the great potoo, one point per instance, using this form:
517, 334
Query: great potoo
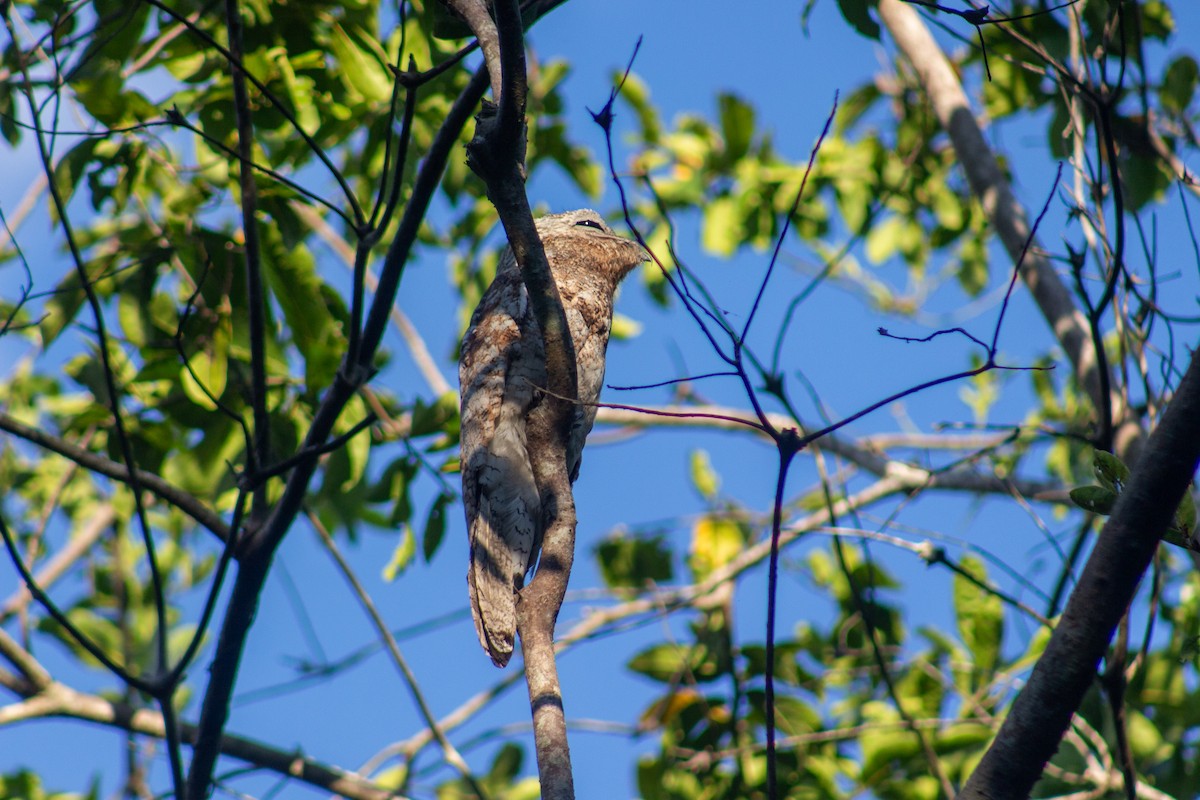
501, 374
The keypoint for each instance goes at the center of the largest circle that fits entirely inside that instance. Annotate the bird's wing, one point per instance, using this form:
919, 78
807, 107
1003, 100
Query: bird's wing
499, 372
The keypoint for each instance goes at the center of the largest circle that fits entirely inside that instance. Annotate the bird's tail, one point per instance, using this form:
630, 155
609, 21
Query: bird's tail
493, 605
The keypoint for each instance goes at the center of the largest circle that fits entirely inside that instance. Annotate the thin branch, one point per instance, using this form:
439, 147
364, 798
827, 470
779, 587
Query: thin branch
787, 220
449, 752
412, 337
256, 297
59, 700
475, 13
282, 108
150, 687
160, 488
75, 548
261, 543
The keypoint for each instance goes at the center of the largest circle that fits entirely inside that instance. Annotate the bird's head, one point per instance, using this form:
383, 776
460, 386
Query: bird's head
583, 238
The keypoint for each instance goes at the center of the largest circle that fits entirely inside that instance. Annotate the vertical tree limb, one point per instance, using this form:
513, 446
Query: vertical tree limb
259, 449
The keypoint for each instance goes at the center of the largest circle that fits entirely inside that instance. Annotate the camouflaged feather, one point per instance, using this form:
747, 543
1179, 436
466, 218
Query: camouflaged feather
501, 371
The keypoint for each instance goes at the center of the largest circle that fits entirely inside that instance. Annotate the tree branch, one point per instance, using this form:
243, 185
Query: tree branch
988, 183
497, 155
1042, 711
160, 488
911, 476
261, 543
59, 700
479, 20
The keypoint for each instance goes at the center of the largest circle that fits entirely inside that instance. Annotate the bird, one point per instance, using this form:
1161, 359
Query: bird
502, 375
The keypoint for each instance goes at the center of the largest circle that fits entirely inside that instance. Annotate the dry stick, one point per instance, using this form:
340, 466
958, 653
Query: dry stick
961, 478
31, 670
1042, 711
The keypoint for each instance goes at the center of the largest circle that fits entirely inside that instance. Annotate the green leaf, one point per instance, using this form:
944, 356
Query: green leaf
435, 418
394, 485
667, 663
1179, 84
507, 763
356, 449
661, 662
792, 715
979, 615
1110, 471
634, 561
715, 542
100, 630
61, 308
881, 746
312, 315
1096, 499
1185, 515
205, 375
1184, 523
1145, 739
856, 13
637, 94
392, 779
1157, 20
402, 556
737, 126
362, 70
435, 526
885, 238
624, 327
973, 266
722, 233
963, 736
704, 477
76, 163
980, 393
787, 663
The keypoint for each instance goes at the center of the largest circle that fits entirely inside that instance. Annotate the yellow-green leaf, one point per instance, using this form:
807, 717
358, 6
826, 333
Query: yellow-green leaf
402, 556
704, 477
715, 542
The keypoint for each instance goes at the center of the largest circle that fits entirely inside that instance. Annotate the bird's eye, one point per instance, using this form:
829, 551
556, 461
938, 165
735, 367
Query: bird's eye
590, 223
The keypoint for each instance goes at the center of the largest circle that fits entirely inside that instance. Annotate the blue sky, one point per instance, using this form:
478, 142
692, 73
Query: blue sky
691, 50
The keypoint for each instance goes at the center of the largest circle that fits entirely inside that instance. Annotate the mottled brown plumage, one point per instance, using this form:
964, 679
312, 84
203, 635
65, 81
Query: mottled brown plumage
501, 372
